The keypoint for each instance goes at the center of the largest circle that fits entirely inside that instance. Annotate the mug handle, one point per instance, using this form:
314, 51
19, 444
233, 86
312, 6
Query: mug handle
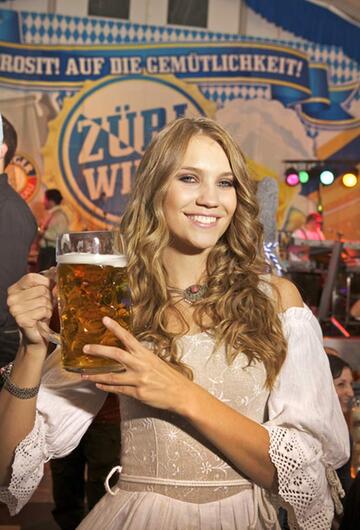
44, 329
48, 334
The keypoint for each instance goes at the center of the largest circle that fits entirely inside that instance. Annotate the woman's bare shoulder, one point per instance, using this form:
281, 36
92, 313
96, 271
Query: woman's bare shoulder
286, 293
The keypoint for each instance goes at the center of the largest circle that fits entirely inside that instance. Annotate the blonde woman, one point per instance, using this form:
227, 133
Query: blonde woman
227, 402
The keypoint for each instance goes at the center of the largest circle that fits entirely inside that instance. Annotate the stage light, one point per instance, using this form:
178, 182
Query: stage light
349, 180
312, 174
327, 177
304, 176
292, 177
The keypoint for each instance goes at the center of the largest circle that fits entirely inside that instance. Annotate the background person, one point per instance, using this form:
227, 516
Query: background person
221, 406
312, 228
343, 381
78, 479
18, 229
302, 266
351, 517
55, 223
355, 310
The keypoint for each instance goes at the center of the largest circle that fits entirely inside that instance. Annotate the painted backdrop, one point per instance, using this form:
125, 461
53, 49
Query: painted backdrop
87, 95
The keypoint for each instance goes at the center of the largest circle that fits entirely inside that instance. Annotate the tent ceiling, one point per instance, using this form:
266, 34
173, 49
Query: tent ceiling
350, 8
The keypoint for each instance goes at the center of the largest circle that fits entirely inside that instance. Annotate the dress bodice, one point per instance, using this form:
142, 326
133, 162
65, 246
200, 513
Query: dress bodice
162, 452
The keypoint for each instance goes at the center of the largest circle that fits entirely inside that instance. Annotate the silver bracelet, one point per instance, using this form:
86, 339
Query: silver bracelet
21, 393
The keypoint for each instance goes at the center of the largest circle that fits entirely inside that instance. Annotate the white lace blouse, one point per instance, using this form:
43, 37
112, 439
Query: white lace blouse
169, 469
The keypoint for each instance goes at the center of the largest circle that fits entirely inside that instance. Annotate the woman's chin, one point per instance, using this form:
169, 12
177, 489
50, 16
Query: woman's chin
193, 247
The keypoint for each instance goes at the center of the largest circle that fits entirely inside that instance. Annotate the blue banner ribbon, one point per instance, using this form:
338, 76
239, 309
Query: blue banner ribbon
294, 81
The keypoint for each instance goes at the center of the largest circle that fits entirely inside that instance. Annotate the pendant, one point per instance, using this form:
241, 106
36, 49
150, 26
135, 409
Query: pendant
193, 293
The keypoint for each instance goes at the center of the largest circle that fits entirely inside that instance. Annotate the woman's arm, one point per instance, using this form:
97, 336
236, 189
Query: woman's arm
29, 301
151, 380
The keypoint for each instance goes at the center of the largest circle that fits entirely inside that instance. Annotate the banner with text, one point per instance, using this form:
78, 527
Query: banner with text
87, 95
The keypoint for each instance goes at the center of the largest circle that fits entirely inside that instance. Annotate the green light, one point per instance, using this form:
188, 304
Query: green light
303, 176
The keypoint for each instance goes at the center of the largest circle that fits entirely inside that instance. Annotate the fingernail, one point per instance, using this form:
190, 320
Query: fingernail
86, 348
84, 376
106, 320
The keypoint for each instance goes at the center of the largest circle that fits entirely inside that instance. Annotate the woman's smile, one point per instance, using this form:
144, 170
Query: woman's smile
203, 221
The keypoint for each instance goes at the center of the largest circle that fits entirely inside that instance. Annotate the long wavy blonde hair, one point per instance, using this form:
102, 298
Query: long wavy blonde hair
240, 312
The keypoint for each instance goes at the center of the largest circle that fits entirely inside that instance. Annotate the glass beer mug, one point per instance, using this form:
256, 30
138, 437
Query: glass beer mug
92, 282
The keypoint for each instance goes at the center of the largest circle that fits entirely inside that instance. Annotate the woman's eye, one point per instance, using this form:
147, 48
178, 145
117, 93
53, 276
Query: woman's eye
226, 183
187, 178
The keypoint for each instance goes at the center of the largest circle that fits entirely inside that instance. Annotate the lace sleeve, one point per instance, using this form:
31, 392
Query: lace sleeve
27, 469
308, 434
303, 481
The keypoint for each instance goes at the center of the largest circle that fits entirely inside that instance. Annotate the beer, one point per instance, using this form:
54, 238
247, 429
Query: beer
90, 287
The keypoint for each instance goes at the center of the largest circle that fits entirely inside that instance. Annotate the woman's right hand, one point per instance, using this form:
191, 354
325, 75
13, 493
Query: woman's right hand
29, 302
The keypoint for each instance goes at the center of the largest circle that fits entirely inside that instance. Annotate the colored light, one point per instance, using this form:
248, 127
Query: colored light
349, 180
327, 177
292, 179
304, 176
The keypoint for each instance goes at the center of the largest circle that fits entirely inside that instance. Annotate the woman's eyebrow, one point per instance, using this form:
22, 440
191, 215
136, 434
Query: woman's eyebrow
199, 169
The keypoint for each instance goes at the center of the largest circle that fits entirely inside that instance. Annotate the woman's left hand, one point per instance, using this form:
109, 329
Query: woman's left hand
146, 377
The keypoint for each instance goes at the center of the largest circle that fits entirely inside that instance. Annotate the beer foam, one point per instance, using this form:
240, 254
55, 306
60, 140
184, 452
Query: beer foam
86, 258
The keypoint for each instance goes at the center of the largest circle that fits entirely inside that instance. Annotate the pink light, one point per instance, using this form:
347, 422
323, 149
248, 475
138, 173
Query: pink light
292, 179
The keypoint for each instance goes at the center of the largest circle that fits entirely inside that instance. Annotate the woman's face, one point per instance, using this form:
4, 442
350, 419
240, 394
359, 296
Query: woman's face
201, 198
344, 390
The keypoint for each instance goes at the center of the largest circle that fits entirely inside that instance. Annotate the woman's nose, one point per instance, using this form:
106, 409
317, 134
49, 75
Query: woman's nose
207, 196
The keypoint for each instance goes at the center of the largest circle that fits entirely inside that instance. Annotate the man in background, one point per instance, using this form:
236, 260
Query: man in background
18, 229
301, 263
55, 223
312, 228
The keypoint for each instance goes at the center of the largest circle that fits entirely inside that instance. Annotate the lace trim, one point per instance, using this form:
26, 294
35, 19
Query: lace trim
27, 469
299, 490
